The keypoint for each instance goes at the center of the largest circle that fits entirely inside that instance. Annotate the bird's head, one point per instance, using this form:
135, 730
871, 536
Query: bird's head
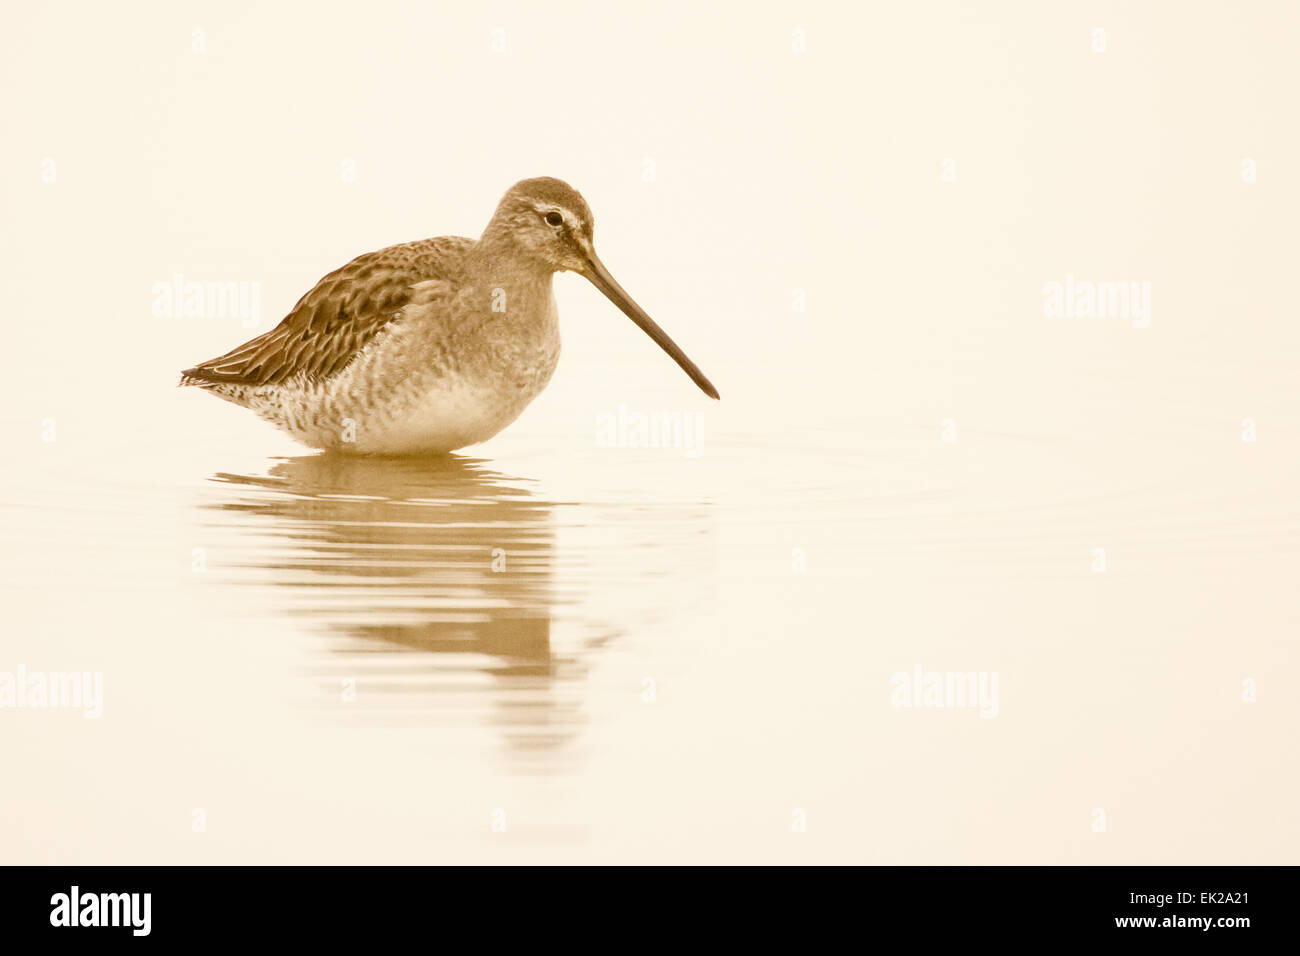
546, 222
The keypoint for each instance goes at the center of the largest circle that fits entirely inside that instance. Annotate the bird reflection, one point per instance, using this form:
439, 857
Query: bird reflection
433, 582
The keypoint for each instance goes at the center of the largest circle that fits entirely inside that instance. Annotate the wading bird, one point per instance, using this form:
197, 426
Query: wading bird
428, 346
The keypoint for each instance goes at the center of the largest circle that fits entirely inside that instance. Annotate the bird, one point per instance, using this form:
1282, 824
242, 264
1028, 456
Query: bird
429, 346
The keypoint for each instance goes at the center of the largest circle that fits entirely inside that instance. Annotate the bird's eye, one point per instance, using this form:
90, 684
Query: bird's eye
554, 219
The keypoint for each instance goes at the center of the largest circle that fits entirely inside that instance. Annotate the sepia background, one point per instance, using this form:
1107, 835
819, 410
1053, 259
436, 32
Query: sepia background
558, 647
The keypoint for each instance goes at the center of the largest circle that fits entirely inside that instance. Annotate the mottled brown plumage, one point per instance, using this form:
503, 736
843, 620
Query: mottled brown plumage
333, 322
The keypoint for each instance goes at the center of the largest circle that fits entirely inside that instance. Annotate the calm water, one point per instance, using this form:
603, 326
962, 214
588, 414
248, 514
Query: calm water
635, 653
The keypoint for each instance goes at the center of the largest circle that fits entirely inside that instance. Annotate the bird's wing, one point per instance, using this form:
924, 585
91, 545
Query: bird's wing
333, 322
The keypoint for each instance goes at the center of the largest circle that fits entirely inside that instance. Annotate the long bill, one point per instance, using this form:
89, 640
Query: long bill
599, 276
